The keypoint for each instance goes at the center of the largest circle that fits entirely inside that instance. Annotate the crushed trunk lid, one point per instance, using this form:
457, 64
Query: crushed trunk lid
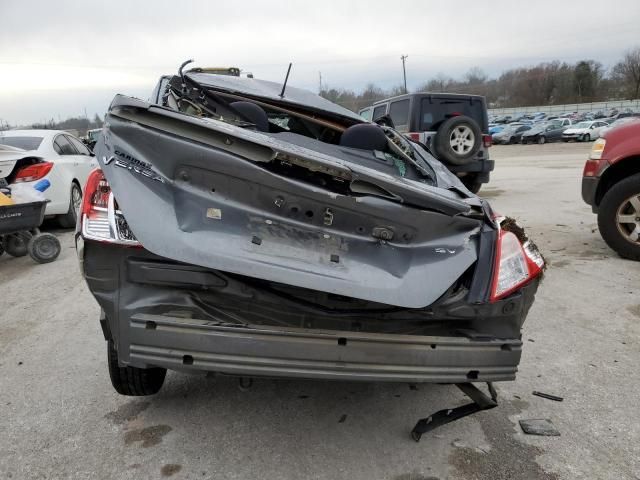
208, 193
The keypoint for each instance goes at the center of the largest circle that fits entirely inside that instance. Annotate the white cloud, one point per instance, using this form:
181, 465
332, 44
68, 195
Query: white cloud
60, 47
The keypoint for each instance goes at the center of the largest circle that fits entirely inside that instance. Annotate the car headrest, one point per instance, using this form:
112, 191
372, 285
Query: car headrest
253, 113
365, 136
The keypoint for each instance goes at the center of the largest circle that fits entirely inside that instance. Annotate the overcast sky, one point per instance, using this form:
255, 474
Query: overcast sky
60, 58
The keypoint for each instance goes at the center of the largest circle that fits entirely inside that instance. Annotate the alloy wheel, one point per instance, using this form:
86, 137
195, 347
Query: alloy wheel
462, 139
628, 219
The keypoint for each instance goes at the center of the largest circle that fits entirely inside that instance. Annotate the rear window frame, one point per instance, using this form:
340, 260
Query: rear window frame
480, 115
34, 138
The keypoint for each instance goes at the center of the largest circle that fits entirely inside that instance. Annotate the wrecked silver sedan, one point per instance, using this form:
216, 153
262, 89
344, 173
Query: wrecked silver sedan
248, 229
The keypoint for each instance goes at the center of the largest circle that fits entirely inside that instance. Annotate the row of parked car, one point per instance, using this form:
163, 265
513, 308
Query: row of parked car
611, 114
560, 128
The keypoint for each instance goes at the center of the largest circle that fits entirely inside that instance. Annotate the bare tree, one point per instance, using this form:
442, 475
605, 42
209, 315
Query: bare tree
475, 76
627, 72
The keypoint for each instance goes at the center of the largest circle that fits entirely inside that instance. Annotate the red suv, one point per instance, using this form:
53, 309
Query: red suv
611, 185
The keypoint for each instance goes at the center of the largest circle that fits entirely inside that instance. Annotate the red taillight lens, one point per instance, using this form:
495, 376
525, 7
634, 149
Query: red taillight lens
516, 264
96, 192
100, 219
33, 172
487, 140
414, 136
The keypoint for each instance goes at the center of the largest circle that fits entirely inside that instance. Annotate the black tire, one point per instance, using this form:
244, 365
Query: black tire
444, 147
1, 248
586, 138
613, 200
471, 182
133, 381
44, 247
542, 140
68, 220
16, 244
524, 141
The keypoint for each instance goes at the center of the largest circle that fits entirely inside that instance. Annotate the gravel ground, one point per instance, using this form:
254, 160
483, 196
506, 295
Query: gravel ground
60, 418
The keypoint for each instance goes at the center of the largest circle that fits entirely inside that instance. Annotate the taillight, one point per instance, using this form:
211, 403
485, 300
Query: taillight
33, 172
100, 218
487, 140
414, 136
516, 264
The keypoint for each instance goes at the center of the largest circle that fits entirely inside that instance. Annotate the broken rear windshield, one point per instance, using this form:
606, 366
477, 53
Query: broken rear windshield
26, 143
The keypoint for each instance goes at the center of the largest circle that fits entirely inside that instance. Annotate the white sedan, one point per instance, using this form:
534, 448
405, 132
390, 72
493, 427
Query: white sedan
584, 131
69, 162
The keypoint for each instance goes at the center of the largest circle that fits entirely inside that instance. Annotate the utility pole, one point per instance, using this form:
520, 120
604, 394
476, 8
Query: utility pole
404, 71
320, 82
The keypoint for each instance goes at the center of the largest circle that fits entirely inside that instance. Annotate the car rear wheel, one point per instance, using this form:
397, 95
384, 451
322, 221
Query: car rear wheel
619, 217
68, 220
133, 381
542, 139
458, 140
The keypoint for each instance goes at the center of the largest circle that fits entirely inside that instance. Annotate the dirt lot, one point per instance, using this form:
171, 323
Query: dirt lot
60, 418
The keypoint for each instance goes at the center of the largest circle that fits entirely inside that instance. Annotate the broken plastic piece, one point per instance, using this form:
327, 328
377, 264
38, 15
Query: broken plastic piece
539, 426
480, 402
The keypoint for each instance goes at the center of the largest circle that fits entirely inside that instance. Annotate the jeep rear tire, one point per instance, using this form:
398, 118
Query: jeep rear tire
472, 182
458, 140
619, 217
133, 381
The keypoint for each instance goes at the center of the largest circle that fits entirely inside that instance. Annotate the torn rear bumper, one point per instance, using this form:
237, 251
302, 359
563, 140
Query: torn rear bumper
188, 344
184, 317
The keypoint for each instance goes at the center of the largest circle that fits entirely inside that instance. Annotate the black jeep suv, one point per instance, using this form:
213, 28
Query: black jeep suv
454, 127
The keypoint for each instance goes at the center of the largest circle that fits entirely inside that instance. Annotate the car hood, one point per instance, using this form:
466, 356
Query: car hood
504, 133
576, 130
209, 193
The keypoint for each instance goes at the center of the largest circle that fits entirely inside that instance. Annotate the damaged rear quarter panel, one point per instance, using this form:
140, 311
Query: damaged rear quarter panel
216, 209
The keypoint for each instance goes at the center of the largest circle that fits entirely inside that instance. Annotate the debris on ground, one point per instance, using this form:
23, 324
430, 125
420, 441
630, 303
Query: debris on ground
548, 396
539, 426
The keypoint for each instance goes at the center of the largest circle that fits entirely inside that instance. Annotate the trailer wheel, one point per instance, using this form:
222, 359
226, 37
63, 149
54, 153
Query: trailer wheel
16, 244
44, 247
